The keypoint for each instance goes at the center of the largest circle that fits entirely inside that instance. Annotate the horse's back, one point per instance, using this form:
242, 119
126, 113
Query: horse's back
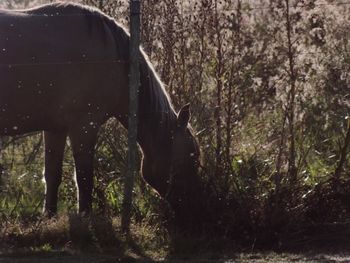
56, 65
54, 34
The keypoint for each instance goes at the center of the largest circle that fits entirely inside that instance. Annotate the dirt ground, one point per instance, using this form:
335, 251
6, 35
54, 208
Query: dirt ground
70, 257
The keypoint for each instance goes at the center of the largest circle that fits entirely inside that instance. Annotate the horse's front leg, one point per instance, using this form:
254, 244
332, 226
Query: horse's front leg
54, 149
83, 140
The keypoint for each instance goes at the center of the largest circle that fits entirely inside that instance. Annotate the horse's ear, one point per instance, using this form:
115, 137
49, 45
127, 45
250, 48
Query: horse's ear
184, 116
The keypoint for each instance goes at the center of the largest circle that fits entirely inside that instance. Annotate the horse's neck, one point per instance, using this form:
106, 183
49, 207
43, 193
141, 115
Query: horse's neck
157, 120
155, 134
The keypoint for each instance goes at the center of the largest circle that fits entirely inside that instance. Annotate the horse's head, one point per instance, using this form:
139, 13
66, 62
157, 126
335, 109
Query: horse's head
174, 172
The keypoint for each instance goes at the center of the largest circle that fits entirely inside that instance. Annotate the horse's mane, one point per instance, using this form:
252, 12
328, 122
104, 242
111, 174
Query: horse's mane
155, 104
155, 108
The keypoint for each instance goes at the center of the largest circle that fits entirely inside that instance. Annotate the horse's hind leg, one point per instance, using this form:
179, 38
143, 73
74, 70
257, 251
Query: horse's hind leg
83, 140
54, 149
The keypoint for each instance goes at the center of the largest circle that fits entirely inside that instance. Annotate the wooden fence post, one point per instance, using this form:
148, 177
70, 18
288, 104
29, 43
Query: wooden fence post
134, 83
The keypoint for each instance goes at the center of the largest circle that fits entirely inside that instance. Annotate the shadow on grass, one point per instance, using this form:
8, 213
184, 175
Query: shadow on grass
68, 257
72, 239
101, 237
69, 238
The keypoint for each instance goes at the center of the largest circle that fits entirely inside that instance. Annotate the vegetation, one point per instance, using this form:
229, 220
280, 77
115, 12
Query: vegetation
269, 87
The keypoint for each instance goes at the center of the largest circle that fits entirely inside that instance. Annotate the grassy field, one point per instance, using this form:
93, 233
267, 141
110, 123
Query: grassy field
74, 257
70, 238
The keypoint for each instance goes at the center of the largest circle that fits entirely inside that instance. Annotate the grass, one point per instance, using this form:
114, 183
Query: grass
72, 234
70, 257
70, 238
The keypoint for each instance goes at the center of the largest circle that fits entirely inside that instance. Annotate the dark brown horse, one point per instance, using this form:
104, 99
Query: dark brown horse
63, 70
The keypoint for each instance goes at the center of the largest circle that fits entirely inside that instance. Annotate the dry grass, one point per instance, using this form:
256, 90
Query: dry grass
71, 238
73, 234
59, 256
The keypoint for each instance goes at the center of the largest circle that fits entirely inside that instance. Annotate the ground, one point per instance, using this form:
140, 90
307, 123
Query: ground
73, 239
74, 257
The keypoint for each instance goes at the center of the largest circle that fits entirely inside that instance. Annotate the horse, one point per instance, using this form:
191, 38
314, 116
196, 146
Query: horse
64, 71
